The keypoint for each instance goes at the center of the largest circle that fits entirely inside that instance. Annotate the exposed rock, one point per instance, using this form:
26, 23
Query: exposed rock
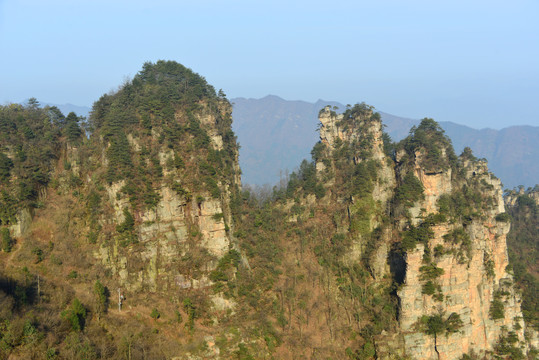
467, 287
24, 220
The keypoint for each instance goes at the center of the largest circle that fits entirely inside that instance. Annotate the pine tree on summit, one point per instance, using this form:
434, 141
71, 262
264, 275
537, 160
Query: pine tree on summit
72, 128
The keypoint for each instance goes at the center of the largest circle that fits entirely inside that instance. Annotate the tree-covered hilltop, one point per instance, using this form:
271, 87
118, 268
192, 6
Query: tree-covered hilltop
164, 105
32, 140
428, 140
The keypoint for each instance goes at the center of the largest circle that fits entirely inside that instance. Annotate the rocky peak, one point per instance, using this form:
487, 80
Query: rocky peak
458, 269
358, 127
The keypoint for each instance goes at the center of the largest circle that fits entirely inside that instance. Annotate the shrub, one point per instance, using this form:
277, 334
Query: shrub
436, 324
497, 309
7, 241
178, 316
75, 315
38, 253
155, 314
508, 345
503, 217
488, 264
421, 233
429, 288
430, 272
190, 309
410, 191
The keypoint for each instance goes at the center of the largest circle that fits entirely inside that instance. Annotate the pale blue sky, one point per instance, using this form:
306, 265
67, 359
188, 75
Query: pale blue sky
471, 62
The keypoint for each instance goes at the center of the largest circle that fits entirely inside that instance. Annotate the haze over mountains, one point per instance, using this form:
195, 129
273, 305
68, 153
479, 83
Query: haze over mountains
276, 135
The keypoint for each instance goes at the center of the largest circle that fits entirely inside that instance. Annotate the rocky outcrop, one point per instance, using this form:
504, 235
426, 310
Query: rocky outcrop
352, 128
454, 292
360, 129
467, 287
179, 241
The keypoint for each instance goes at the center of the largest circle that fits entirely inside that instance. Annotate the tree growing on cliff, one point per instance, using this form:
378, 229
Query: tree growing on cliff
72, 128
436, 325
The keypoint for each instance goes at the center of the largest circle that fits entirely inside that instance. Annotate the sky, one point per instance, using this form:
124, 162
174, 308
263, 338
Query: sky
471, 62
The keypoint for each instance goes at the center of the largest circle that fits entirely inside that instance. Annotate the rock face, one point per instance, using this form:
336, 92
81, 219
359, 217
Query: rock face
165, 235
467, 287
178, 227
457, 272
335, 128
358, 134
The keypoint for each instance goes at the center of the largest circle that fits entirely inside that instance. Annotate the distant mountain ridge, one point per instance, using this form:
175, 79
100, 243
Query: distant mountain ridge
67, 108
276, 134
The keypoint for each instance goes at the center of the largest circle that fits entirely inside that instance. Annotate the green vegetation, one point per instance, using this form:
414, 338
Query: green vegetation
497, 308
524, 253
508, 346
25, 168
436, 325
101, 294
6, 164
429, 274
161, 110
461, 239
304, 179
410, 191
503, 217
72, 130
191, 311
429, 139
488, 264
127, 228
467, 154
227, 266
155, 314
7, 241
75, 315
417, 234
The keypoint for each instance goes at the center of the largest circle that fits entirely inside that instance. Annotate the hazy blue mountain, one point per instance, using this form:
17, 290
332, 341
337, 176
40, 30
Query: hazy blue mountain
67, 108
276, 134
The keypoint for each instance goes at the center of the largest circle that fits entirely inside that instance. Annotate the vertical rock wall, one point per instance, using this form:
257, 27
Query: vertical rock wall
468, 288
473, 276
172, 232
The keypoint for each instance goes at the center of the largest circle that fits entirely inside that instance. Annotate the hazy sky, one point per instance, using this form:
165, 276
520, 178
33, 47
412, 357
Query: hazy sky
471, 62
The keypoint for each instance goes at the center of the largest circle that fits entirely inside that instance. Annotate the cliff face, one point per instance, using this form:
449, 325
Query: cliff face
470, 286
180, 225
446, 248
